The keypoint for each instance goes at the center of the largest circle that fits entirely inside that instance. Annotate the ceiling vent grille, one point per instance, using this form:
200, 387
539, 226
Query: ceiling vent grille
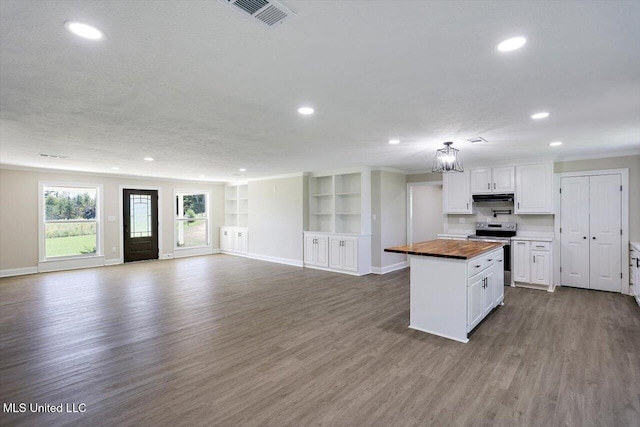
268, 12
477, 140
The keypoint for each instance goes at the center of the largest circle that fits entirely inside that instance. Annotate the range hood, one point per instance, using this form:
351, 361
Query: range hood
493, 198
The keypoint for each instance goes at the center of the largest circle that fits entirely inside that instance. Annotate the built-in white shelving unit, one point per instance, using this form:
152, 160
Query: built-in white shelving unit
234, 235
339, 233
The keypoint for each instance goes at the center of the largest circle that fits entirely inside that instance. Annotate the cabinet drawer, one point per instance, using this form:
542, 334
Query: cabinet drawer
540, 246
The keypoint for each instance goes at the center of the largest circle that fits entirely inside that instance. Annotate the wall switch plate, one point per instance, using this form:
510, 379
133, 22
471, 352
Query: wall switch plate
113, 249
462, 220
111, 218
374, 217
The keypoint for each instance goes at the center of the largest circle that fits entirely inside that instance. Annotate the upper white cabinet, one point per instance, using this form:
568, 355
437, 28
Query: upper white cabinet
534, 189
493, 180
456, 193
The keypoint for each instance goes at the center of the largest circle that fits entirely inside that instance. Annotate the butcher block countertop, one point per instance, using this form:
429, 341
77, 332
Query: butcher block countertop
457, 249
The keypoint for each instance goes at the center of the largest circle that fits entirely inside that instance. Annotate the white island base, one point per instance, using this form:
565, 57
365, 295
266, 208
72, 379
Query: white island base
450, 297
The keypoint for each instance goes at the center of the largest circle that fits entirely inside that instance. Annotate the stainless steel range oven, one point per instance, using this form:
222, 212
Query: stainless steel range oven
498, 232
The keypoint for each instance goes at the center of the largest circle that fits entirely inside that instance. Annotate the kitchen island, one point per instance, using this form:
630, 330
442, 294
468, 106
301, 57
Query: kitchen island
454, 285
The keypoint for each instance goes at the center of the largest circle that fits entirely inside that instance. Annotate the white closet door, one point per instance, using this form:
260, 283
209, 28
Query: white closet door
575, 238
605, 227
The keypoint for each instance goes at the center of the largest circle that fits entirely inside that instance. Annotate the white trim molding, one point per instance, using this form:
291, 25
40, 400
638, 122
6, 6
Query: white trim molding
189, 252
285, 261
389, 268
18, 271
70, 264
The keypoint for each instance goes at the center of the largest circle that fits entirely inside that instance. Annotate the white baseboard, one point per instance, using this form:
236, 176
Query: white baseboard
18, 271
286, 261
70, 264
187, 252
389, 268
351, 273
108, 262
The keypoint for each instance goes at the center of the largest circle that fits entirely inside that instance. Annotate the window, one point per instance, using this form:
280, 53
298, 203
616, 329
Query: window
192, 220
70, 221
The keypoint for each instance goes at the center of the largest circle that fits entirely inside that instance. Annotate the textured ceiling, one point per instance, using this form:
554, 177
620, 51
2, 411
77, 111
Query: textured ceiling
206, 91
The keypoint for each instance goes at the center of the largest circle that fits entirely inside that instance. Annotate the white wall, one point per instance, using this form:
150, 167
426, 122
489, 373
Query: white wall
426, 217
276, 219
393, 216
19, 224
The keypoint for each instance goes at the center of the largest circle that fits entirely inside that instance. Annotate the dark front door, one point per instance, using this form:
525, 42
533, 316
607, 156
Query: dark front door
140, 219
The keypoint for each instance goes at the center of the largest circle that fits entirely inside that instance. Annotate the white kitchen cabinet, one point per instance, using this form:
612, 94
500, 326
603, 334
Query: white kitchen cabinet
540, 268
634, 272
475, 309
316, 250
521, 265
483, 295
534, 189
532, 262
456, 193
234, 240
343, 253
349, 254
493, 180
498, 279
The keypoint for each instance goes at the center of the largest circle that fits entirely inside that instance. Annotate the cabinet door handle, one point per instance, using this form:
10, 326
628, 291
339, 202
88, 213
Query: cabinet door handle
467, 205
518, 205
494, 185
584, 237
594, 237
537, 246
477, 266
534, 259
488, 186
499, 260
490, 260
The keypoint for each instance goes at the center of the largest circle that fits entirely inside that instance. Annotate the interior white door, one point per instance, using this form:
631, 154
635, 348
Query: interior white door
605, 224
574, 236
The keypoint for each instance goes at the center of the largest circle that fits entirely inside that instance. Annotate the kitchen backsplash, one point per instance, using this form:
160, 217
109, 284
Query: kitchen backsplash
526, 223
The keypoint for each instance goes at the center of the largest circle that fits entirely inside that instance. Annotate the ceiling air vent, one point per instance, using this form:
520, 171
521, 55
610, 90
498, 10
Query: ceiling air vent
477, 140
268, 12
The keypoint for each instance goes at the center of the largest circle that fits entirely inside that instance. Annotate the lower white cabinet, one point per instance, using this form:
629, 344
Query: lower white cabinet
340, 253
634, 272
234, 240
485, 288
343, 253
316, 250
532, 262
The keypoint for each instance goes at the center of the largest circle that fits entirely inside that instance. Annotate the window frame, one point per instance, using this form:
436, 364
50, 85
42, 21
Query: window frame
177, 218
42, 221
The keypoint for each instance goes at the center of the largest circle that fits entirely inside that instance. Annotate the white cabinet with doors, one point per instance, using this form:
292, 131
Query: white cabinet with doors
493, 180
534, 189
531, 263
316, 250
343, 253
349, 254
234, 240
456, 193
485, 286
591, 232
634, 271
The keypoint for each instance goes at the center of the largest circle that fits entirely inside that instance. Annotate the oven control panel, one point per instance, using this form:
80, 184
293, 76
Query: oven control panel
497, 226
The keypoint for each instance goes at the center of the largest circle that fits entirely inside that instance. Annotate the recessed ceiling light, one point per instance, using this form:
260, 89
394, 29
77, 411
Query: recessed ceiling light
115, 168
84, 30
54, 156
555, 143
242, 170
149, 159
394, 141
542, 115
305, 111
512, 44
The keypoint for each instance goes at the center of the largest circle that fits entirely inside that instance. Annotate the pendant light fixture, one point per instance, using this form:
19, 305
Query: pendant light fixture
447, 160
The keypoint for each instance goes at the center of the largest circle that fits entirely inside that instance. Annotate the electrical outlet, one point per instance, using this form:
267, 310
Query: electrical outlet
113, 249
462, 220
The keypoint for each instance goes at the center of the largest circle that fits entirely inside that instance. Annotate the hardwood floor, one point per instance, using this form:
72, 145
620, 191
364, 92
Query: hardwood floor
223, 340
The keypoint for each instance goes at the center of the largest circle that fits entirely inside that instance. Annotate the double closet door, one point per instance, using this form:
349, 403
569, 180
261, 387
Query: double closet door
590, 238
